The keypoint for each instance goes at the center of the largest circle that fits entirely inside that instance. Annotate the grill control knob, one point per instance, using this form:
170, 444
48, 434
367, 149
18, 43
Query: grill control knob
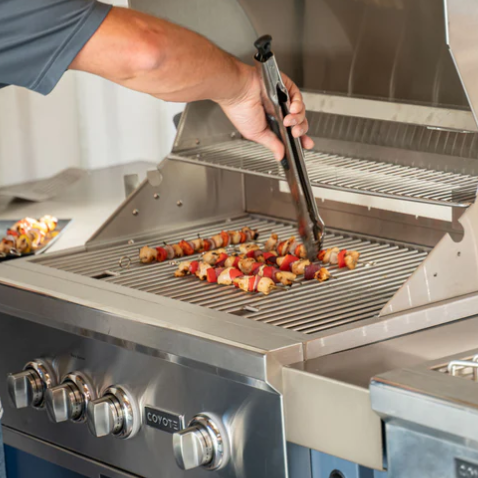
201, 444
28, 387
69, 400
115, 413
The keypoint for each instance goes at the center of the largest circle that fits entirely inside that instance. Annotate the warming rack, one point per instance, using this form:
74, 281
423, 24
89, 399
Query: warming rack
334, 171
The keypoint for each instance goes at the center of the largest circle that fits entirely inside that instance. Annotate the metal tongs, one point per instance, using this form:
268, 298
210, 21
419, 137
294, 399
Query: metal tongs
277, 104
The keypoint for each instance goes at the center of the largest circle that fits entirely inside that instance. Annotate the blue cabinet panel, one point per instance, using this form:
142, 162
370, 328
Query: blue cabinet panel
24, 465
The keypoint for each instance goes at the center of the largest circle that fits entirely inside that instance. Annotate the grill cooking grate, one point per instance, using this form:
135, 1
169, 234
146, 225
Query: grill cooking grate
344, 173
307, 307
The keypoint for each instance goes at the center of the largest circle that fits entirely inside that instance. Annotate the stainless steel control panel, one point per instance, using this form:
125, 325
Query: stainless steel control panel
149, 414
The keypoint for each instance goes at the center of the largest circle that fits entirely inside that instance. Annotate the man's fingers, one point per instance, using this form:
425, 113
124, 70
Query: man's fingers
293, 120
268, 139
301, 129
307, 142
297, 105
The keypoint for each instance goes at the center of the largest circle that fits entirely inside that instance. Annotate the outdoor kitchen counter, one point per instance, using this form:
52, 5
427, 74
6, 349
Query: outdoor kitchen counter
89, 203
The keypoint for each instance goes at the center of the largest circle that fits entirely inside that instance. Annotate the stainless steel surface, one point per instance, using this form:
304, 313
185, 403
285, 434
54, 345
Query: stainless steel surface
425, 409
45, 189
88, 202
116, 413
429, 455
332, 416
332, 391
105, 416
277, 106
450, 270
355, 48
439, 117
69, 400
341, 173
131, 182
160, 381
25, 389
461, 22
201, 444
28, 388
200, 193
461, 368
189, 348
384, 267
63, 403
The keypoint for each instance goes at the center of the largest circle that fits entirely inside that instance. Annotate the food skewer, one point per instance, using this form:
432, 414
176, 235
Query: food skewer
28, 235
148, 255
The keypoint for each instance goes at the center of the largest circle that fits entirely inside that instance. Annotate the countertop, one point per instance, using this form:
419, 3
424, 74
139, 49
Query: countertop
89, 203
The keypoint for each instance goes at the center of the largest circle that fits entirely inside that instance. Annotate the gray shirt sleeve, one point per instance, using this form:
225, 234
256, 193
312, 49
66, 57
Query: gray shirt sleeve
40, 38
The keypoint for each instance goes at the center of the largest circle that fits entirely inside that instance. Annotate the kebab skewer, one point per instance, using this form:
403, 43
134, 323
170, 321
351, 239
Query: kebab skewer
341, 258
28, 235
148, 255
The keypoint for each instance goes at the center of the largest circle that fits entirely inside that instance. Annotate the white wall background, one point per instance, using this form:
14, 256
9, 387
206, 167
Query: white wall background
86, 122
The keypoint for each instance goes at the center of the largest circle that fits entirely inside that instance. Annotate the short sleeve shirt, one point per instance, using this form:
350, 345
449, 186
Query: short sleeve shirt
40, 38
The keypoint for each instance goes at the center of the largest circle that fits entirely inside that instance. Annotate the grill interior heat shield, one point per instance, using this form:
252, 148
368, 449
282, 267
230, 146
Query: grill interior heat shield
395, 181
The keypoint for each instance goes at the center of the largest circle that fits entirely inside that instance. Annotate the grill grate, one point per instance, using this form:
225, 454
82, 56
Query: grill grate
307, 307
344, 173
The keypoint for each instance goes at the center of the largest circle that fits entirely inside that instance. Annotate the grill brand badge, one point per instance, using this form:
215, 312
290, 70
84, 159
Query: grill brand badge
465, 469
165, 421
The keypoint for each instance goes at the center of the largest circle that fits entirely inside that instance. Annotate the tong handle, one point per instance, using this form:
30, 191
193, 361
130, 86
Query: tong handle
264, 48
274, 126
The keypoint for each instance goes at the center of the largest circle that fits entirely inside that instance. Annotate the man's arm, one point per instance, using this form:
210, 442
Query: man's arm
159, 58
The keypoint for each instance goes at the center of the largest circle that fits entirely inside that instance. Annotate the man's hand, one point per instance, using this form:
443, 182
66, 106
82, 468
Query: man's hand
154, 56
247, 114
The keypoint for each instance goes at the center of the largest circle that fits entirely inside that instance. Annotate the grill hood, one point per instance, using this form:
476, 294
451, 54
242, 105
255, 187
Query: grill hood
394, 50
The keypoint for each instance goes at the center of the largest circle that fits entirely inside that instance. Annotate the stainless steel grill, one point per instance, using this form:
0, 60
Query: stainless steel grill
307, 307
466, 368
345, 173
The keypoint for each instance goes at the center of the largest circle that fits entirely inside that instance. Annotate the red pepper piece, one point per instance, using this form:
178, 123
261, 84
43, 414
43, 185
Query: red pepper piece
252, 281
251, 254
341, 258
161, 254
222, 257
207, 245
255, 266
235, 273
269, 257
12, 233
186, 247
236, 262
225, 238
193, 267
287, 262
243, 237
321, 255
268, 271
211, 276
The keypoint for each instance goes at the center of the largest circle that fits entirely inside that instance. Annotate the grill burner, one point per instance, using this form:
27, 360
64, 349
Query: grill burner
307, 307
346, 174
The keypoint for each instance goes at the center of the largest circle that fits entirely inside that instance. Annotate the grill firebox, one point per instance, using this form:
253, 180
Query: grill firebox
307, 307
